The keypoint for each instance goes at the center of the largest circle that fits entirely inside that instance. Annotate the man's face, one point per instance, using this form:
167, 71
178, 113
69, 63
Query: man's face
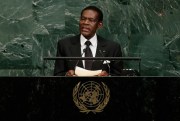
89, 23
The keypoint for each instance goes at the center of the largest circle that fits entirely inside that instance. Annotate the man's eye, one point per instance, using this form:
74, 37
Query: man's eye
89, 19
83, 18
92, 20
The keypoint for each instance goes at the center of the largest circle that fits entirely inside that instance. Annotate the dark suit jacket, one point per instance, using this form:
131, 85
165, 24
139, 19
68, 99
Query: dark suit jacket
70, 47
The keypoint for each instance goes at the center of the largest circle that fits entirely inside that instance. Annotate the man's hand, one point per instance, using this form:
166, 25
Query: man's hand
70, 73
103, 73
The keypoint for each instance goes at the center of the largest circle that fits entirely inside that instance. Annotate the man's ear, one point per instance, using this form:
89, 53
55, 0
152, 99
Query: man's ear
100, 25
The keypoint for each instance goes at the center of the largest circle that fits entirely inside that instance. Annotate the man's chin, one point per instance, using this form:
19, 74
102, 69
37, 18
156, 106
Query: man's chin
85, 35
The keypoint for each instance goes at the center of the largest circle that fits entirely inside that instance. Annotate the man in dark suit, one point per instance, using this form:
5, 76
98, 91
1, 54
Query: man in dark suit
91, 20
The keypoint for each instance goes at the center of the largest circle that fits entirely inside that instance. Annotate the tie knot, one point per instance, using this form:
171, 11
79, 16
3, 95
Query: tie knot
87, 43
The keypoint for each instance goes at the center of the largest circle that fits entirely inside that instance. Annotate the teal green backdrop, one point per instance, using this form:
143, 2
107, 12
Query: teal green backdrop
29, 31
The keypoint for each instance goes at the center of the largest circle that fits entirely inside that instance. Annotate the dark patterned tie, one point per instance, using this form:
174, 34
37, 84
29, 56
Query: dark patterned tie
88, 53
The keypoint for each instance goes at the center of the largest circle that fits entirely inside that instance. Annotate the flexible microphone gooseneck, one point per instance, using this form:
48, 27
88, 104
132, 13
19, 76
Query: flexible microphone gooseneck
81, 56
109, 69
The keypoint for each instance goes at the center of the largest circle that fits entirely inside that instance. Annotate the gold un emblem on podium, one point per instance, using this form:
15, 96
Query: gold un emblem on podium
91, 96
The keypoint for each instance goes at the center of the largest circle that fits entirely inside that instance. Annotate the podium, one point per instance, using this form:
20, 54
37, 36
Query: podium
51, 99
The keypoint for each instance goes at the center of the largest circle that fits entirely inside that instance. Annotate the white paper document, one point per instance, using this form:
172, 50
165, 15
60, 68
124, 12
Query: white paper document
84, 72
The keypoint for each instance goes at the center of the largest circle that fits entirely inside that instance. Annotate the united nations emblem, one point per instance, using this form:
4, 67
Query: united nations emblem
91, 96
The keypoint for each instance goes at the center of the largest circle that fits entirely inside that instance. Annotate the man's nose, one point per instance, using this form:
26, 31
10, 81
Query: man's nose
86, 21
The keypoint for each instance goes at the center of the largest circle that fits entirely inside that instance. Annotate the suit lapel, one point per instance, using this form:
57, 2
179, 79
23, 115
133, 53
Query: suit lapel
76, 49
97, 64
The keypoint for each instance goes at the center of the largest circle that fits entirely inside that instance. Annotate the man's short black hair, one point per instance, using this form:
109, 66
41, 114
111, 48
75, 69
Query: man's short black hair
94, 8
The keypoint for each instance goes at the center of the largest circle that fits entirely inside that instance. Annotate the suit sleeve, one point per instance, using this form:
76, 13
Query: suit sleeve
117, 66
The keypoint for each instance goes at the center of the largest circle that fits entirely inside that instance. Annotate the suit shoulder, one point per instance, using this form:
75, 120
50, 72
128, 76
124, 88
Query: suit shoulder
67, 40
107, 41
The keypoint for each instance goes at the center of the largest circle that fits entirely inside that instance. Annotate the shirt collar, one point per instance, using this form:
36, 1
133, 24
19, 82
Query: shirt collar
93, 40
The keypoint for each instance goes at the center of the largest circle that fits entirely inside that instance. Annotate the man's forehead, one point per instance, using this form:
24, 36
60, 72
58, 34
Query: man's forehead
91, 13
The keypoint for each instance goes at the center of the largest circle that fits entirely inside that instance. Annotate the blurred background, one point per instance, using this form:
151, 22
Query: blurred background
30, 29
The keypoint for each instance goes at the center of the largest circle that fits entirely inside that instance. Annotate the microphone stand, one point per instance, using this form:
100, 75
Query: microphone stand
81, 56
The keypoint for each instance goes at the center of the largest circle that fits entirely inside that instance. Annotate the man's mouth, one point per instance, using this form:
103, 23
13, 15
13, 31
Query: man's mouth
84, 29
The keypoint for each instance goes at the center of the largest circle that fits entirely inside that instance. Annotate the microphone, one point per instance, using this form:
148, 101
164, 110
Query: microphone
77, 61
81, 56
109, 69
